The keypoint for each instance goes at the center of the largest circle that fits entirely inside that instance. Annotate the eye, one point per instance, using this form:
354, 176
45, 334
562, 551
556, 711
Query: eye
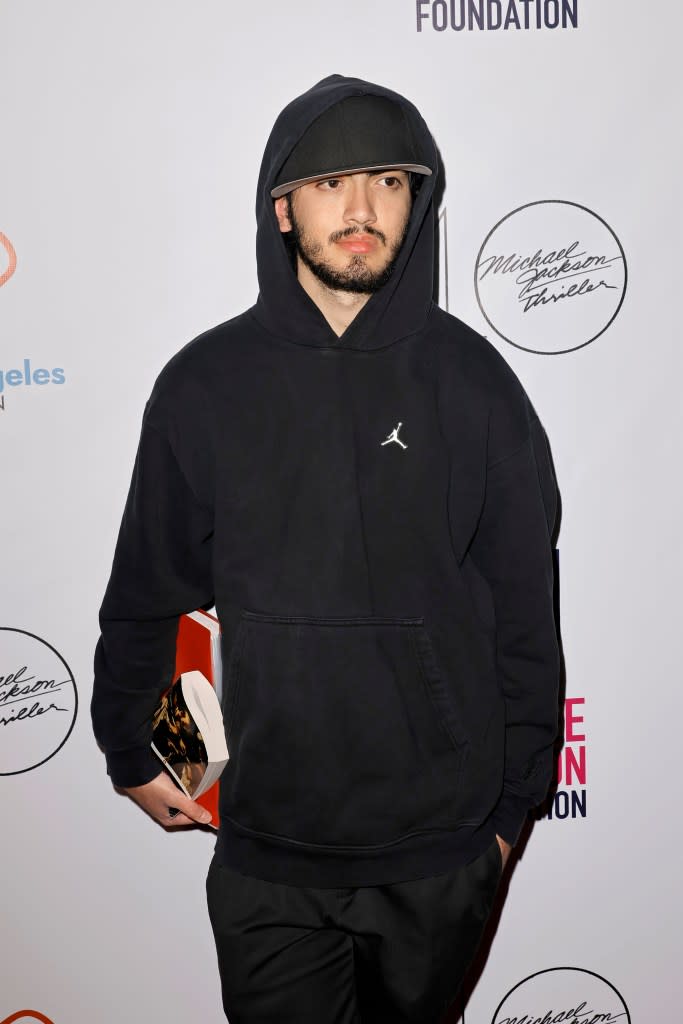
329, 184
391, 181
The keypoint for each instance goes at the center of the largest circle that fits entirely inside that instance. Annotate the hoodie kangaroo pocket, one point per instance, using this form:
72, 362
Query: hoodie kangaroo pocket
341, 731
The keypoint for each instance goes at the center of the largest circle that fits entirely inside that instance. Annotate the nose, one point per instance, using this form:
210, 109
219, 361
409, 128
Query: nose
359, 208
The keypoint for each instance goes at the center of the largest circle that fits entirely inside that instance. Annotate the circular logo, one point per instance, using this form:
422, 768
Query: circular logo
38, 701
8, 259
26, 1017
568, 994
550, 277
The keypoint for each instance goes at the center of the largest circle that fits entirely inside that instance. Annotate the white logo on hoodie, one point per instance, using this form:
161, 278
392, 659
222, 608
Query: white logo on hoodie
393, 436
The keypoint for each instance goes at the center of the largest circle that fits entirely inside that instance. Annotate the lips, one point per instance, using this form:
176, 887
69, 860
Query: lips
358, 243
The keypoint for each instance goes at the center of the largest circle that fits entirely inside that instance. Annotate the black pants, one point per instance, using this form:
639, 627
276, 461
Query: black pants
373, 954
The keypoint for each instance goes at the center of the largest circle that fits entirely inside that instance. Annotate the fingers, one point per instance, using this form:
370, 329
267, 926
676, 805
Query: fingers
174, 819
188, 812
167, 804
505, 849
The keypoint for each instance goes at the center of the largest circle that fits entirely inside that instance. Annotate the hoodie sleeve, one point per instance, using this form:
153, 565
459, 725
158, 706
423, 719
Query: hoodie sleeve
513, 549
161, 569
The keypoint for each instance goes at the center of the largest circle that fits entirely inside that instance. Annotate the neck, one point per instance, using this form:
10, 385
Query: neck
338, 307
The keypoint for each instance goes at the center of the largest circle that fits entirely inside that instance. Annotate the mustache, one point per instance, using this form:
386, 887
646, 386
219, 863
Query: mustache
349, 232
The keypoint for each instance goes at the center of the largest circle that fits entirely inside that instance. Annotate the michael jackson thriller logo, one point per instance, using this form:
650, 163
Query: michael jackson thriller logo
38, 701
550, 277
570, 995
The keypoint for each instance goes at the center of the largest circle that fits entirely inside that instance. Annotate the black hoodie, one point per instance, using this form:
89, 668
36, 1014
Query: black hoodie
389, 646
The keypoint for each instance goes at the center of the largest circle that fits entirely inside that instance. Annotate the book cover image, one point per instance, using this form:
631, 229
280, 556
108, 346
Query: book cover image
178, 741
188, 734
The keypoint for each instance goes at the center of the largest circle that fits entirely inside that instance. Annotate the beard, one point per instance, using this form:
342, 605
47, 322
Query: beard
356, 276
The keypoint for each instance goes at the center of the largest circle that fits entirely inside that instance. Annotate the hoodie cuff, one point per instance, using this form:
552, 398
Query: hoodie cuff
133, 767
509, 817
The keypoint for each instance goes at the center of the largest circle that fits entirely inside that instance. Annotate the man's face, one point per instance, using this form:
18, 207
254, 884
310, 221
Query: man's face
348, 230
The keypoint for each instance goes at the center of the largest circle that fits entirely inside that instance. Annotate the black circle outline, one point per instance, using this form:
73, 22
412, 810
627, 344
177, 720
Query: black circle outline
575, 348
13, 629
548, 970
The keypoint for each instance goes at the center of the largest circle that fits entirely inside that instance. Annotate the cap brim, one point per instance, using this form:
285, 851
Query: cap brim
289, 186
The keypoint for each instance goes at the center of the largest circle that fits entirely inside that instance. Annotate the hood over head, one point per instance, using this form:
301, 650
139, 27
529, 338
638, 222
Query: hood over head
397, 309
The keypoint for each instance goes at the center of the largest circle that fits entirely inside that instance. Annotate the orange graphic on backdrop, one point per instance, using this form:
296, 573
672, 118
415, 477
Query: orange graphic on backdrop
5, 276
31, 1014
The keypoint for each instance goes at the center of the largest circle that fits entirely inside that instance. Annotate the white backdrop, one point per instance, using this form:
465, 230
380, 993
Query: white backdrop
131, 140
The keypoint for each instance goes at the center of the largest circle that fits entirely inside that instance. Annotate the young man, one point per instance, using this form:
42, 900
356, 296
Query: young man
360, 484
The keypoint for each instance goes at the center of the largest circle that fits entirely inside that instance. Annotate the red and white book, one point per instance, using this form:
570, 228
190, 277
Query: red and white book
189, 735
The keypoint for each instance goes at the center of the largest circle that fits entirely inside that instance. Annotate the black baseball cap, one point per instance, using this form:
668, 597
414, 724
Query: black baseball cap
359, 133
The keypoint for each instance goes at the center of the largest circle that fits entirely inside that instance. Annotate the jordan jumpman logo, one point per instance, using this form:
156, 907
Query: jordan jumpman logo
393, 436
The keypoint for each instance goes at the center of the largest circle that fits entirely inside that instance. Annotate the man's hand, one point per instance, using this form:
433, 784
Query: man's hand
505, 850
160, 795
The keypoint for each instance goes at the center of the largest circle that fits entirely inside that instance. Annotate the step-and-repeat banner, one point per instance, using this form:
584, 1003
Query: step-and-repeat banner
131, 140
